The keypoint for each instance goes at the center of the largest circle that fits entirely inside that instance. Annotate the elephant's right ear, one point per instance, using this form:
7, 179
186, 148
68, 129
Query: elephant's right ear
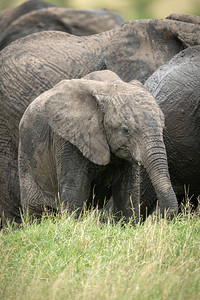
74, 114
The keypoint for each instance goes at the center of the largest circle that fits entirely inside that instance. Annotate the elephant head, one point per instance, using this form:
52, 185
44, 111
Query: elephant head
101, 118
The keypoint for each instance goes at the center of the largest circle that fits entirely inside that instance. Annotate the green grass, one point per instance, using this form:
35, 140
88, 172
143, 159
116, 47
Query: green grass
68, 259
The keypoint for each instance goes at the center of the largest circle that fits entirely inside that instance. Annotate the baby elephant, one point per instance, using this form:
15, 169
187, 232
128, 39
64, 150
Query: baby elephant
92, 134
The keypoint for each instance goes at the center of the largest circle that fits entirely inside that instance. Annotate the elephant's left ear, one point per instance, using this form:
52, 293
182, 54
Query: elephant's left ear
74, 114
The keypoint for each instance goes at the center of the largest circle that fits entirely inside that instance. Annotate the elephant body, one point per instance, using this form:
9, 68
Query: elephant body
77, 22
7, 16
176, 87
34, 64
87, 135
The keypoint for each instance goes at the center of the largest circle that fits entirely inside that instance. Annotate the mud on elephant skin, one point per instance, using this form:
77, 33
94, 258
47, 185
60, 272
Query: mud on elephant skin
82, 132
176, 87
34, 64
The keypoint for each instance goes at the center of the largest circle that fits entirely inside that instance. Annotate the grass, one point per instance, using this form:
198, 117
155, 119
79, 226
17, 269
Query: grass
62, 258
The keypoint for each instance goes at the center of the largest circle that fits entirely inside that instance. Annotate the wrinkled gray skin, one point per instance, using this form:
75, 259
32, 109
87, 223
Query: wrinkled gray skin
34, 64
77, 22
176, 87
82, 132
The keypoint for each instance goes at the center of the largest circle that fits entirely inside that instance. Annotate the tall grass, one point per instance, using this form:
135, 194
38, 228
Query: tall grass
64, 258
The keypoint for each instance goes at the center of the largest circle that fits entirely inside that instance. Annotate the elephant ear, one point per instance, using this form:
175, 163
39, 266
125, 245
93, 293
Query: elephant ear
73, 112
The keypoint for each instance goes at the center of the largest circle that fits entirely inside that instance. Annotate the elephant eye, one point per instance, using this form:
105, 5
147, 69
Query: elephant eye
125, 130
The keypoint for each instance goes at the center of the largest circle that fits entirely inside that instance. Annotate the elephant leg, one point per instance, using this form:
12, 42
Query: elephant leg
74, 182
9, 180
33, 198
148, 199
9, 187
74, 191
126, 193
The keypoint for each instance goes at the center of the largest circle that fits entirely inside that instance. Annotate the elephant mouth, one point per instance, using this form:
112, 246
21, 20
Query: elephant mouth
125, 153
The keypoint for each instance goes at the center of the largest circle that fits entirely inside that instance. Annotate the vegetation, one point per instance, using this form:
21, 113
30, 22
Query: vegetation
128, 9
62, 258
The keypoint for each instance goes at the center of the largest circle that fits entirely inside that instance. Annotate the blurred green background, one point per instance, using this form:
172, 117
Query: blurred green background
128, 9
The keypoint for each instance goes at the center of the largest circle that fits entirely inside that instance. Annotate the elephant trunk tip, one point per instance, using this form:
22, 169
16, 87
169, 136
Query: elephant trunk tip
169, 211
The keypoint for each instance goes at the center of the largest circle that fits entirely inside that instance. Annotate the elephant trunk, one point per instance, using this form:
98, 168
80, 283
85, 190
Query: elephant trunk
154, 160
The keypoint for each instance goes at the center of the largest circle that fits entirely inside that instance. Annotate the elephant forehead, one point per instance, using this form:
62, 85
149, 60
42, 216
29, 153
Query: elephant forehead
136, 113
133, 99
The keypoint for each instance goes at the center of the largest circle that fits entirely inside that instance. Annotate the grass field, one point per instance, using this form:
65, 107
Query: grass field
68, 259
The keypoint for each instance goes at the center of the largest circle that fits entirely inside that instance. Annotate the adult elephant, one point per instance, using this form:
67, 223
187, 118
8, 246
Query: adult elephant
84, 132
36, 63
77, 22
176, 87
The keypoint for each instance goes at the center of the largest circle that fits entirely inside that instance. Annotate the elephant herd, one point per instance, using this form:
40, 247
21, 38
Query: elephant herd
95, 109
